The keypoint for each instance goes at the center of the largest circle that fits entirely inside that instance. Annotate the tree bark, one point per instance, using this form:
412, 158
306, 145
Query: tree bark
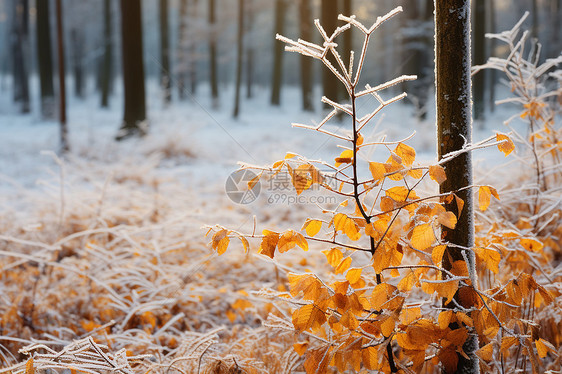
213, 55
277, 72
328, 19
250, 51
166, 81
453, 97
45, 60
62, 84
239, 52
182, 67
77, 41
107, 71
479, 58
133, 70
305, 16
19, 46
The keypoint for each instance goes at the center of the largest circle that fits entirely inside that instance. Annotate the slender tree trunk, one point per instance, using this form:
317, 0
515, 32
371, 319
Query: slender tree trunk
305, 15
181, 50
62, 84
453, 97
250, 50
106, 69
166, 81
133, 70
329, 19
213, 55
277, 73
492, 73
77, 41
479, 58
239, 52
19, 47
193, 53
45, 60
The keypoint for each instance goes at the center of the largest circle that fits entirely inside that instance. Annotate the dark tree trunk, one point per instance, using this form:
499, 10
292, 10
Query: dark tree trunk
106, 68
62, 84
133, 70
181, 68
305, 15
329, 19
249, 51
277, 72
19, 47
479, 57
213, 55
453, 96
239, 52
45, 60
193, 53
77, 40
166, 81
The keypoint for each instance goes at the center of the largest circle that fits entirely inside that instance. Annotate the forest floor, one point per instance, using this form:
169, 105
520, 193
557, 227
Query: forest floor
109, 241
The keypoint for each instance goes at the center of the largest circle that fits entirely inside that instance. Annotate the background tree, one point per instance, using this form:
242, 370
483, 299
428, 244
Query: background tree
277, 71
106, 68
213, 55
249, 49
305, 20
492, 73
328, 18
62, 84
239, 52
45, 60
133, 69
193, 51
453, 96
165, 53
181, 68
20, 33
479, 56
77, 48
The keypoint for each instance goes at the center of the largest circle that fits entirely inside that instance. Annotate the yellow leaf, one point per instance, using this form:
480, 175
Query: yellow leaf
444, 319
422, 236
310, 286
543, 347
353, 275
415, 173
220, 241
532, 245
490, 257
242, 304
507, 145
407, 282
345, 158
463, 318
387, 326
347, 225
308, 317
398, 193
377, 170
486, 352
289, 239
514, 293
300, 348
387, 204
29, 368
253, 181
484, 195
312, 227
245, 243
406, 153
447, 219
507, 342
334, 256
360, 139
381, 294
437, 173
409, 315
447, 290
371, 358
269, 243
343, 266
437, 254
